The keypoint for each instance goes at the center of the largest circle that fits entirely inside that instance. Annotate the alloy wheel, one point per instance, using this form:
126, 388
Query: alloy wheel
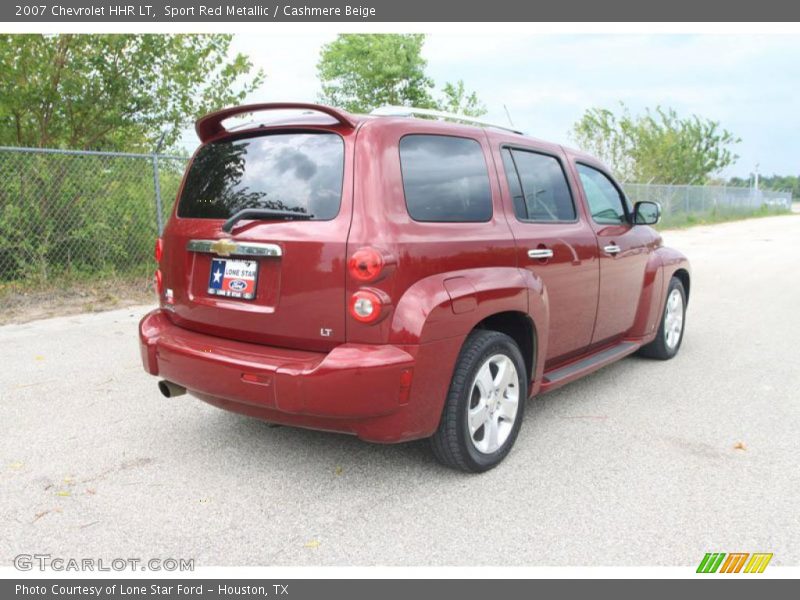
494, 403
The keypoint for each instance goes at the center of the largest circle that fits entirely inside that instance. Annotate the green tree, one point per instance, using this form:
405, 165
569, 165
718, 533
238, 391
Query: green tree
360, 72
657, 146
114, 92
778, 183
456, 99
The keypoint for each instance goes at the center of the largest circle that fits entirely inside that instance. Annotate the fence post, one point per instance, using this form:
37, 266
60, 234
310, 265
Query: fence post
157, 186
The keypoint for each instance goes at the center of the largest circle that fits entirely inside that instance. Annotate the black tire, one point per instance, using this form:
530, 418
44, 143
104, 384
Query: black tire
452, 443
659, 348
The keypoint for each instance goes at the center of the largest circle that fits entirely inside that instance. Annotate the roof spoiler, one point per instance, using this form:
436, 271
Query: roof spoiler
210, 126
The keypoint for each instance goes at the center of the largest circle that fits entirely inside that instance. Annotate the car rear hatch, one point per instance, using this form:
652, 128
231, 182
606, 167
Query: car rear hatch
277, 276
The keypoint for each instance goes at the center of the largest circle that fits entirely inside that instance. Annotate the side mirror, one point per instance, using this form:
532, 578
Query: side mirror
646, 213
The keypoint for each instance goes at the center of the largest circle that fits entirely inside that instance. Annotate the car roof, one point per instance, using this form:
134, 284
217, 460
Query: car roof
211, 126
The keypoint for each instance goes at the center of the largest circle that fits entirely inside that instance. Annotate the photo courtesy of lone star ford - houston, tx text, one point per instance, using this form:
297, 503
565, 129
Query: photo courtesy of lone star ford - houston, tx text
396, 299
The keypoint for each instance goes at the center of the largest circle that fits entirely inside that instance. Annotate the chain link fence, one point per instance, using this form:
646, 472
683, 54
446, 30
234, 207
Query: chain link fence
689, 204
79, 227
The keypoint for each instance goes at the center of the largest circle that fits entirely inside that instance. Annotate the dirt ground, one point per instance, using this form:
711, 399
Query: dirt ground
86, 297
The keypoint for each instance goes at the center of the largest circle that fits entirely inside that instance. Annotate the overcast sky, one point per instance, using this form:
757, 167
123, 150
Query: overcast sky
750, 84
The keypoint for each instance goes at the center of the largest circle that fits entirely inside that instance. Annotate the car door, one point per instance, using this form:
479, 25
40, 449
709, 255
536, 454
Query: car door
554, 243
623, 249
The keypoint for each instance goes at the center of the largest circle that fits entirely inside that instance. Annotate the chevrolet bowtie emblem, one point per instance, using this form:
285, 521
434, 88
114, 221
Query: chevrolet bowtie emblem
223, 247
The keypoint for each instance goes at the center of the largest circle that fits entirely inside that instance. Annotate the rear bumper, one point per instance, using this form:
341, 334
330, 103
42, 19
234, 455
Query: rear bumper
355, 388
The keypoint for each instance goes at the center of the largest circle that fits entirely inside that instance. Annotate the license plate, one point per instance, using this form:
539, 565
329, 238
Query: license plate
233, 278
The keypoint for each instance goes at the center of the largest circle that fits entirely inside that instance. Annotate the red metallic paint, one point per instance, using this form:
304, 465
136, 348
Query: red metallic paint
211, 127
307, 281
571, 277
387, 381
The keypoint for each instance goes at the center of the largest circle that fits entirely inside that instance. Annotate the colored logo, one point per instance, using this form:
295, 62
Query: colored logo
223, 247
233, 278
734, 562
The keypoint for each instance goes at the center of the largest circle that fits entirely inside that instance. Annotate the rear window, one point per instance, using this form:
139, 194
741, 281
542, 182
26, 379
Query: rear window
300, 172
445, 179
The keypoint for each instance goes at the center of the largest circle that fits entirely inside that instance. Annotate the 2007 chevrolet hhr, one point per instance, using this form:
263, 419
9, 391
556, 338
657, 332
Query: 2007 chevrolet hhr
399, 278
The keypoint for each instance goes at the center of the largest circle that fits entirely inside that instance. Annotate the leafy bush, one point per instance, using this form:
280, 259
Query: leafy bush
68, 215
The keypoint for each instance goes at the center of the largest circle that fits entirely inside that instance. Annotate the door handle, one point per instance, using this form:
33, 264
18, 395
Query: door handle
540, 253
612, 249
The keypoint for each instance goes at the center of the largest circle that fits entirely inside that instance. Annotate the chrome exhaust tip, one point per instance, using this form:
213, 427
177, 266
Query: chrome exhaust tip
170, 390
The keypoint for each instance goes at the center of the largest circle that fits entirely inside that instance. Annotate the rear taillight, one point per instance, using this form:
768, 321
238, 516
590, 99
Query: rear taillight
158, 251
366, 264
366, 306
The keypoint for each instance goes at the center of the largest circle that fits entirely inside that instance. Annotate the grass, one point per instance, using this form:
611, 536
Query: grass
684, 220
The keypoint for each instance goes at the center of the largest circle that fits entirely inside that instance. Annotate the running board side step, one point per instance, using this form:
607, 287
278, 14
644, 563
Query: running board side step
593, 362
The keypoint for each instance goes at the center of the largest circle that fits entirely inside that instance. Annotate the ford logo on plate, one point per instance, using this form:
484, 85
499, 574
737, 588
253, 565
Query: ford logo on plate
237, 285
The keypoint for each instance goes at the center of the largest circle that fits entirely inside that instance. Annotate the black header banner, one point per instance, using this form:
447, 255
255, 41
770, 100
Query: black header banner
40, 11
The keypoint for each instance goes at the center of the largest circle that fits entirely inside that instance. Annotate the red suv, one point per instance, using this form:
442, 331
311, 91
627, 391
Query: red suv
399, 278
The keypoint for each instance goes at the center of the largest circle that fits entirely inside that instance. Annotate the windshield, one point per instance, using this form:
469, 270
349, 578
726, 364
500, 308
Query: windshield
297, 172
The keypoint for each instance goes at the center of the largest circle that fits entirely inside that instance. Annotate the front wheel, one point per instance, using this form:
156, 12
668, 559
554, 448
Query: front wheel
484, 407
670, 331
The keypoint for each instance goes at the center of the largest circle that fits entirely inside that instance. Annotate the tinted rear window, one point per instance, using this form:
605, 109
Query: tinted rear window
445, 179
299, 172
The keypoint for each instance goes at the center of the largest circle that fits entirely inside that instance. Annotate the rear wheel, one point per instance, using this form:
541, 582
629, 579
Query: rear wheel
485, 404
670, 331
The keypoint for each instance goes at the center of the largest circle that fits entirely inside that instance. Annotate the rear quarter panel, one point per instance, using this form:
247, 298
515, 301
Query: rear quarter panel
478, 256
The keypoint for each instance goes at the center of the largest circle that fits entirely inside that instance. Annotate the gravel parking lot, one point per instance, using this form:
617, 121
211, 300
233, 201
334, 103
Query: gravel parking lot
643, 463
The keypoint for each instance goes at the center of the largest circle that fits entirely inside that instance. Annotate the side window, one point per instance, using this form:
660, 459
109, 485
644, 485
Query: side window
541, 184
606, 204
445, 179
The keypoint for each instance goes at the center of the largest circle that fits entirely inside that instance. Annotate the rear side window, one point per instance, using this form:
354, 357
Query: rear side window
541, 181
445, 179
299, 172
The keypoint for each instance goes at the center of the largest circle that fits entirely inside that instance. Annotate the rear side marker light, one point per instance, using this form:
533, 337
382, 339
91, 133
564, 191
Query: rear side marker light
405, 385
365, 306
158, 251
366, 264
